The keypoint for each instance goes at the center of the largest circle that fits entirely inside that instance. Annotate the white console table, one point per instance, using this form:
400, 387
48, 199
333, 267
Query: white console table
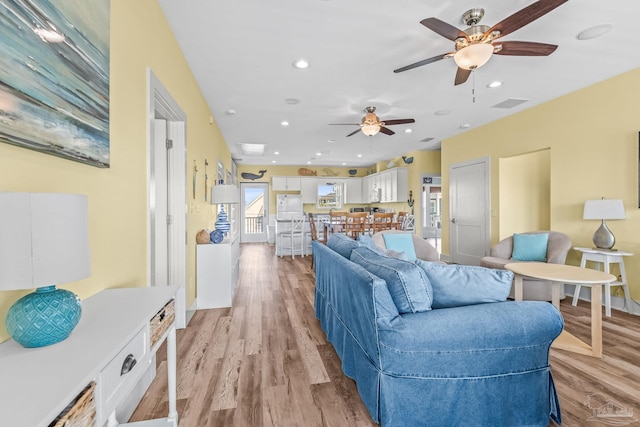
116, 325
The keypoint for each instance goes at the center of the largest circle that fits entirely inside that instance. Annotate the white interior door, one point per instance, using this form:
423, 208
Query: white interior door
254, 212
469, 207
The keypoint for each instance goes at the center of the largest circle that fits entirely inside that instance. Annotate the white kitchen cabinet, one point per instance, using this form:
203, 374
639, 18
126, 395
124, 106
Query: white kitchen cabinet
217, 273
285, 183
353, 191
309, 189
105, 357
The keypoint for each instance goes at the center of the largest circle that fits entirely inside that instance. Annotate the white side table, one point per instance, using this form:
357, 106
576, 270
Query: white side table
607, 258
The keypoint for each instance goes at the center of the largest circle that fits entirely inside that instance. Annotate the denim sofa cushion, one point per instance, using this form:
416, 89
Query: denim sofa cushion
342, 244
365, 240
407, 283
457, 285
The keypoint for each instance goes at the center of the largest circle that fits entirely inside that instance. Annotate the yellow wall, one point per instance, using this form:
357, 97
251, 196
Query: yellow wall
592, 135
524, 193
140, 38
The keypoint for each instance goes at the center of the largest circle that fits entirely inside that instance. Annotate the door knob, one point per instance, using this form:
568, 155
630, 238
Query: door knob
453, 220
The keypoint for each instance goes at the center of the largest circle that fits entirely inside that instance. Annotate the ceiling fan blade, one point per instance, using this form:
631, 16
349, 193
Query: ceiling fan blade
461, 76
353, 133
524, 16
386, 131
421, 63
445, 30
525, 48
344, 124
398, 122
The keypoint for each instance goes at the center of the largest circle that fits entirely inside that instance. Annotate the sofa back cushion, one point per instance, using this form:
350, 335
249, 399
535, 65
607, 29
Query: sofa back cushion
457, 285
407, 283
342, 244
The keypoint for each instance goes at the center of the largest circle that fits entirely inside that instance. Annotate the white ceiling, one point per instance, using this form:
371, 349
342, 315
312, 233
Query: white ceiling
241, 53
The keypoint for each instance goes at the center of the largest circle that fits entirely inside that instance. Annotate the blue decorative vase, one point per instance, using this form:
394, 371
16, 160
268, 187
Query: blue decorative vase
222, 223
44, 317
216, 236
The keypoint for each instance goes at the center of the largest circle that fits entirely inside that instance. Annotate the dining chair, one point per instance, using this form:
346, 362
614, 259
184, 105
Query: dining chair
382, 221
356, 224
314, 234
402, 216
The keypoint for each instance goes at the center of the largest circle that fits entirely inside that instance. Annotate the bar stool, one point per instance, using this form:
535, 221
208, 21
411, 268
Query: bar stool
294, 236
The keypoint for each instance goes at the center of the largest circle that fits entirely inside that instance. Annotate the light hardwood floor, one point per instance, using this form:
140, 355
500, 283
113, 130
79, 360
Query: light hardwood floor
266, 362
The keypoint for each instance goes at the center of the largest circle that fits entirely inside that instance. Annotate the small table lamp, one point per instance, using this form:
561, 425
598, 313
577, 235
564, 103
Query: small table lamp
221, 194
604, 209
44, 242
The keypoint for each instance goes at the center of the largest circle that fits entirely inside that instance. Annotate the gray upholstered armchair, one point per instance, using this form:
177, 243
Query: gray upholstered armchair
558, 247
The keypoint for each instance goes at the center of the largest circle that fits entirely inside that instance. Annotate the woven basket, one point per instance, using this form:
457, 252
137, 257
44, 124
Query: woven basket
161, 322
80, 413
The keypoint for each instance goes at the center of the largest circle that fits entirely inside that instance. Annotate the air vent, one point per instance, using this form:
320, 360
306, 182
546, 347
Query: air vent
427, 139
510, 103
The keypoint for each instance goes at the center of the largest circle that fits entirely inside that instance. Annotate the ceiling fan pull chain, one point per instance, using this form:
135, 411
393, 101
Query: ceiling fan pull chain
473, 88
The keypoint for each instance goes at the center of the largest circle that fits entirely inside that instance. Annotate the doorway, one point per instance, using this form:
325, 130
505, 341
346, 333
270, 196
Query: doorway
431, 210
469, 189
167, 254
254, 209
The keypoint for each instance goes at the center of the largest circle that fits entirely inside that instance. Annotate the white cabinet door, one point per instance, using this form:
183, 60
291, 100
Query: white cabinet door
353, 191
309, 189
402, 184
285, 183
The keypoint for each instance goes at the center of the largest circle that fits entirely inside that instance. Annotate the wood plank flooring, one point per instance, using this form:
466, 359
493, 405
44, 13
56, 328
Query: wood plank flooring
266, 362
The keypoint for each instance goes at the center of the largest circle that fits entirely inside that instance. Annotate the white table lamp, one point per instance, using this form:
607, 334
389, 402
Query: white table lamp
220, 195
602, 210
45, 242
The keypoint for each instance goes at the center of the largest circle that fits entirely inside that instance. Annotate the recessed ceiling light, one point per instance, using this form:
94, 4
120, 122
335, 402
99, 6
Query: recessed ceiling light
465, 126
442, 112
309, 162
359, 155
494, 85
284, 123
249, 149
273, 161
318, 154
292, 101
301, 64
276, 152
230, 112
594, 32
344, 163
408, 130
332, 141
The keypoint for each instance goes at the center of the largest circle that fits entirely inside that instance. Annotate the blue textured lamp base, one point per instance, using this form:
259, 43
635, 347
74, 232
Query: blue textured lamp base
44, 317
222, 223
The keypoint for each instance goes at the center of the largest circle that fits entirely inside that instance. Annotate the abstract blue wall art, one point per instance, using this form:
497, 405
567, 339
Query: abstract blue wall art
54, 78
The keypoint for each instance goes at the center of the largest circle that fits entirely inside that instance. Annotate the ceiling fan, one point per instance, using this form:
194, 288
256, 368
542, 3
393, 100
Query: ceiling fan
371, 125
475, 45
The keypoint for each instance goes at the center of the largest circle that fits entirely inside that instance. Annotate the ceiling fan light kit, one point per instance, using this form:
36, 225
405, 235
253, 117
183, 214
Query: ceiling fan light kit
473, 56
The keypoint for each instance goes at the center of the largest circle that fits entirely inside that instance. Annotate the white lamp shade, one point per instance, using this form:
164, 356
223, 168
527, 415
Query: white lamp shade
44, 239
603, 209
473, 56
370, 130
224, 193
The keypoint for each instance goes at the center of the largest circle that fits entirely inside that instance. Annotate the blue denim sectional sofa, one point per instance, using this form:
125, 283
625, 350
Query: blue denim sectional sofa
429, 346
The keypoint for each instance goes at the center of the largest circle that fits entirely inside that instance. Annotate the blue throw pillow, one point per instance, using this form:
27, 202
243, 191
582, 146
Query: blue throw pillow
457, 285
366, 240
401, 242
530, 247
342, 244
407, 283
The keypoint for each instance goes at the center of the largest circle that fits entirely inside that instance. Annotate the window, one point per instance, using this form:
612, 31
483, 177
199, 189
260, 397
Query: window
329, 196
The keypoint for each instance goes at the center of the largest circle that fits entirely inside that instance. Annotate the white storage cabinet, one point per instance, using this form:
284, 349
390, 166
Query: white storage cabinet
217, 273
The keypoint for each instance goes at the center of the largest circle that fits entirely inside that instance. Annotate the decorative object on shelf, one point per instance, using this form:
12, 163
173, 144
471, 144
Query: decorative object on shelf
407, 160
410, 202
195, 178
307, 172
603, 209
220, 195
206, 180
253, 176
45, 242
390, 164
203, 237
216, 236
353, 172
330, 172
